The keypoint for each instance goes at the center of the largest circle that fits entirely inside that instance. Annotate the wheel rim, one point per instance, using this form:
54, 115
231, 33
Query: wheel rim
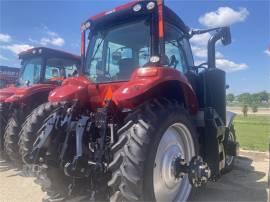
228, 158
176, 141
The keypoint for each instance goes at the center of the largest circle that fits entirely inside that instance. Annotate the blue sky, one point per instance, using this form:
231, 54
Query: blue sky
56, 24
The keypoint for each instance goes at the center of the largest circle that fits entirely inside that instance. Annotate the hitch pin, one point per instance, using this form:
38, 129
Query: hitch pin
112, 135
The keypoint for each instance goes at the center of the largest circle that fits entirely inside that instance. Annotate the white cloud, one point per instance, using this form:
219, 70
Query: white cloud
5, 38
50, 38
17, 48
55, 41
200, 39
267, 51
3, 57
223, 16
54, 34
201, 52
199, 45
230, 66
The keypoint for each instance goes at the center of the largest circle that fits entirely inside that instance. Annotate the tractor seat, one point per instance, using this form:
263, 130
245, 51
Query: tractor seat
126, 67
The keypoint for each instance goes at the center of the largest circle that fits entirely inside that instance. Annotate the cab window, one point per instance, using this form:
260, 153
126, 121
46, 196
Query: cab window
31, 71
60, 68
174, 49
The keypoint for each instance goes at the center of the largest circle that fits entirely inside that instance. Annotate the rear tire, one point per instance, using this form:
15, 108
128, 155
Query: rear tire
51, 179
139, 156
54, 182
31, 126
11, 138
3, 125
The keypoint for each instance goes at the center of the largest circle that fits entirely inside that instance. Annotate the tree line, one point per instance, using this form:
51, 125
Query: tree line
252, 100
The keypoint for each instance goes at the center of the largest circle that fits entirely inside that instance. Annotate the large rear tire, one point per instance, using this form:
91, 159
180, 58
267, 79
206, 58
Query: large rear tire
51, 179
31, 126
3, 123
143, 158
11, 138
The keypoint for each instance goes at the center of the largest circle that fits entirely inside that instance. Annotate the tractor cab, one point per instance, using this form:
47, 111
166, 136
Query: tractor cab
42, 69
124, 46
47, 66
116, 48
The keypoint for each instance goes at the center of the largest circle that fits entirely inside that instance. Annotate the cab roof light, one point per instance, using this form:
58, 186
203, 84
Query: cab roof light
150, 5
137, 7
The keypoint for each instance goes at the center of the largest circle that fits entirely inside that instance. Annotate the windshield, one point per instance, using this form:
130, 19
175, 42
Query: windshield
56, 69
31, 71
114, 53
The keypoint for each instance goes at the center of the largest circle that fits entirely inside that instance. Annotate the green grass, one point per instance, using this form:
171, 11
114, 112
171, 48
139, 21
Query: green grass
253, 132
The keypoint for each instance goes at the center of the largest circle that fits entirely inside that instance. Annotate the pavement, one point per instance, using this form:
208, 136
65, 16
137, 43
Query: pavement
249, 181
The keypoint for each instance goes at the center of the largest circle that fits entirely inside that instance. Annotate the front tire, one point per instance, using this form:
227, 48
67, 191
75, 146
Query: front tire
143, 158
229, 160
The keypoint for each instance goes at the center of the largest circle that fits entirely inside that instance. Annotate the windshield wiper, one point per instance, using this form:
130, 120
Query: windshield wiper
98, 46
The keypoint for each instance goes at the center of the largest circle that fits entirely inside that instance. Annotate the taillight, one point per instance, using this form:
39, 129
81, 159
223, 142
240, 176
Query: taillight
147, 72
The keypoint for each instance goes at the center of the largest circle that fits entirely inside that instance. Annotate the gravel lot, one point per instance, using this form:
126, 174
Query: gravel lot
247, 182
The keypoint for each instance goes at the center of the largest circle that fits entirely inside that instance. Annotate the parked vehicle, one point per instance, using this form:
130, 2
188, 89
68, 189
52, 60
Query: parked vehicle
42, 70
8, 76
143, 123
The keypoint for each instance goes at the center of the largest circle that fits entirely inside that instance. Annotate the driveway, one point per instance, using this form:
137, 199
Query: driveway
247, 182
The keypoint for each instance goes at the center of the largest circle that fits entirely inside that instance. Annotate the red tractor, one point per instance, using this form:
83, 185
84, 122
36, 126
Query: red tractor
42, 70
143, 123
8, 76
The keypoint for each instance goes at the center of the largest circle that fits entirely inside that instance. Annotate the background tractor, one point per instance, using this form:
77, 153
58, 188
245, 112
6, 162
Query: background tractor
42, 70
143, 123
8, 76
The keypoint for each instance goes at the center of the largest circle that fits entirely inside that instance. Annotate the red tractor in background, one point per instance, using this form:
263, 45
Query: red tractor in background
8, 76
43, 69
143, 123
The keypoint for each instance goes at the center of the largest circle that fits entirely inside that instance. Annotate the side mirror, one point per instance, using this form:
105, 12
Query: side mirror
116, 57
226, 38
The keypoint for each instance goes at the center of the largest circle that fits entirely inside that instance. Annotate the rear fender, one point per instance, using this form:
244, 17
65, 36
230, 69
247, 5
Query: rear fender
32, 94
73, 88
144, 86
